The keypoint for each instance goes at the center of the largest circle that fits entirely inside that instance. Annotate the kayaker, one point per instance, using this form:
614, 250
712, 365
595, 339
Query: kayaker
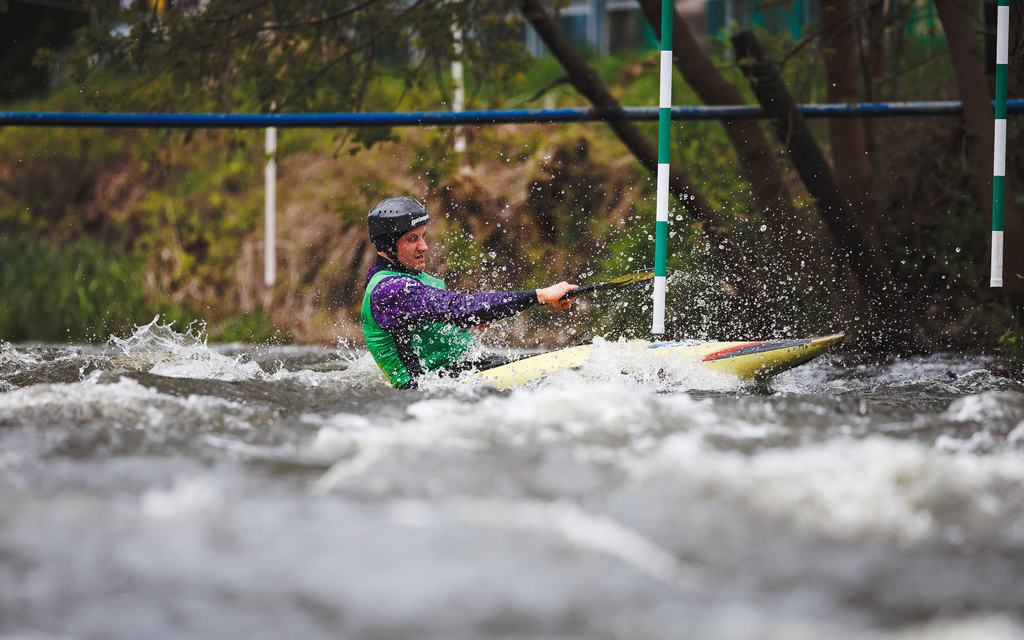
411, 322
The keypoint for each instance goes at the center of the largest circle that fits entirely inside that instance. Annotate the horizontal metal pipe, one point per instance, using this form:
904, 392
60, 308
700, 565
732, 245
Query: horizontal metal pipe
420, 118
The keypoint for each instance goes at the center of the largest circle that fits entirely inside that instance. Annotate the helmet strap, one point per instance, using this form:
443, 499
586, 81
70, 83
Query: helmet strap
388, 245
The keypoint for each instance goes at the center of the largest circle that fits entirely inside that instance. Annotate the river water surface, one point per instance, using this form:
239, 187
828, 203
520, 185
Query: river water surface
160, 488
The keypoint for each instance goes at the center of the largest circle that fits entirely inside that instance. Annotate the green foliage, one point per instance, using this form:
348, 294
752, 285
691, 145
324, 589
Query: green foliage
175, 205
1011, 346
191, 225
252, 327
84, 291
43, 197
296, 55
184, 208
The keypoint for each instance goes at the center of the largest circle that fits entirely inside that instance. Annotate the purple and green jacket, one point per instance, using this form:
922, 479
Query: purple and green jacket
413, 324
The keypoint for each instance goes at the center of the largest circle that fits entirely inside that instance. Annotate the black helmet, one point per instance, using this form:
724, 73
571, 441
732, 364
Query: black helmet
391, 218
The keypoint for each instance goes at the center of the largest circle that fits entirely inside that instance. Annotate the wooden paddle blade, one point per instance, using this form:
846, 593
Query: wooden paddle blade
626, 279
631, 278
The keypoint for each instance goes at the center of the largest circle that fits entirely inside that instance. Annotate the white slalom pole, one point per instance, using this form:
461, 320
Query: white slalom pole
661, 204
999, 150
270, 209
459, 99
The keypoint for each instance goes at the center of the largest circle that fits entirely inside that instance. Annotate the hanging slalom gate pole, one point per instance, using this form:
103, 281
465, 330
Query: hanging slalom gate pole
476, 117
661, 204
459, 98
999, 148
270, 209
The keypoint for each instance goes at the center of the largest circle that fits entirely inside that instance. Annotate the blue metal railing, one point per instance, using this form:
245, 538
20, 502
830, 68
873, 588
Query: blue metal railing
420, 118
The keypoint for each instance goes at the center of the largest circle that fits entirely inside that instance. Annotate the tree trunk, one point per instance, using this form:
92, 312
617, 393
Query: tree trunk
585, 80
889, 325
850, 157
757, 160
879, 13
1016, 41
969, 68
878, 18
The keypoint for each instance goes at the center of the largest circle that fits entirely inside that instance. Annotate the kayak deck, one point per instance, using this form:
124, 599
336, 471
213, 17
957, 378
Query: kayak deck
756, 360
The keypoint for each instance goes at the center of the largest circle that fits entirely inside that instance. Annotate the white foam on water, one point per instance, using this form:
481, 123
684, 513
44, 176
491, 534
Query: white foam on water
329, 569
875, 488
812, 377
979, 441
94, 400
578, 432
35, 634
913, 370
1016, 437
11, 460
11, 355
261, 566
204, 367
160, 350
577, 526
187, 499
985, 417
594, 408
584, 413
126, 417
933, 373
978, 627
986, 407
742, 623
620, 362
125, 391
12, 361
357, 444
354, 443
343, 432
360, 371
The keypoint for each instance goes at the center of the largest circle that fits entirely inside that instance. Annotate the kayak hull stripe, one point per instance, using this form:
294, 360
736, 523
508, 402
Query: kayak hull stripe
754, 347
724, 353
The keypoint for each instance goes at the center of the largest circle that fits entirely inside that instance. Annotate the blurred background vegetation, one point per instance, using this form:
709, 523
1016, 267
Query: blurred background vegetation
100, 229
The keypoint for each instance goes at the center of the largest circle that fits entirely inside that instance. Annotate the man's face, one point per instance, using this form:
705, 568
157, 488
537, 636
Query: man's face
411, 248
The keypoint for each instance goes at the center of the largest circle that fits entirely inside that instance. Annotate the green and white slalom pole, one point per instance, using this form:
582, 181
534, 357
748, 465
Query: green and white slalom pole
661, 207
270, 208
999, 148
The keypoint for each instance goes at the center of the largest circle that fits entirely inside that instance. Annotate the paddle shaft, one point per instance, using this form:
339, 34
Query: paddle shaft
614, 283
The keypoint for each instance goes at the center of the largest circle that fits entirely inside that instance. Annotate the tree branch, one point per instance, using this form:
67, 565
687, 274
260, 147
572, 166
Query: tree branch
585, 79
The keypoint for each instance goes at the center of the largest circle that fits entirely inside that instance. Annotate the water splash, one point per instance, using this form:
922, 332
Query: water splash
11, 356
160, 350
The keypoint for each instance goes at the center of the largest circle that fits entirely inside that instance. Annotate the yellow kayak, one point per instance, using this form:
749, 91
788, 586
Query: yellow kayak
758, 360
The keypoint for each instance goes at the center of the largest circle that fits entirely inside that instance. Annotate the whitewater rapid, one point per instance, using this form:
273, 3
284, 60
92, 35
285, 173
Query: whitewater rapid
160, 487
